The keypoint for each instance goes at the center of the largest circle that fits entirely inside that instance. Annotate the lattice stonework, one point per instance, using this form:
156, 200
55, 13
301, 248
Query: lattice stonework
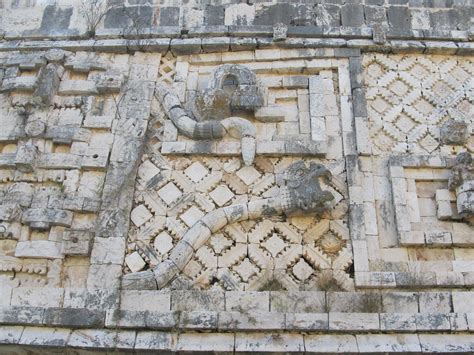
296, 252
167, 69
175, 189
409, 97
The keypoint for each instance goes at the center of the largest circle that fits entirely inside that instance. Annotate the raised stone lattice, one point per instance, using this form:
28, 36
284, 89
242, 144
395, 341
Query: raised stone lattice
247, 255
410, 96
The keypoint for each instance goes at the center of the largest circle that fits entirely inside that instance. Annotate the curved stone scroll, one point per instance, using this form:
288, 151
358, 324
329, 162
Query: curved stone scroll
301, 195
235, 127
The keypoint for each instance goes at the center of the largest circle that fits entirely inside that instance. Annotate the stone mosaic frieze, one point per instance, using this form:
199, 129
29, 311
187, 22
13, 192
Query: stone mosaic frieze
293, 243
410, 97
414, 189
233, 177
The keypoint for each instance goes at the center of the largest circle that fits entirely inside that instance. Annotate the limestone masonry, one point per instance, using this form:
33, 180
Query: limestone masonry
232, 177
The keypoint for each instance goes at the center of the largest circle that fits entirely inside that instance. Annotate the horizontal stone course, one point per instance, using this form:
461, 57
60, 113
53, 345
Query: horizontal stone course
261, 342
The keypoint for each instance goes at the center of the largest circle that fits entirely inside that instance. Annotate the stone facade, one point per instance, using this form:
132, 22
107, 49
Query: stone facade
231, 177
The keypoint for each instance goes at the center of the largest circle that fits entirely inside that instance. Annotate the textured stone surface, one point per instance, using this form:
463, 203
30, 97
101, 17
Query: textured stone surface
106, 194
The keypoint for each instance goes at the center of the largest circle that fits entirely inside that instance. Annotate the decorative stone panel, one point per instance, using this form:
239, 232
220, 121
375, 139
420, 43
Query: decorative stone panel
181, 181
413, 233
410, 97
60, 114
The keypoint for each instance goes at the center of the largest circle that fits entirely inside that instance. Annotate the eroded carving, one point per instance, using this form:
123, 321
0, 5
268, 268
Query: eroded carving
235, 127
461, 182
232, 87
302, 193
455, 132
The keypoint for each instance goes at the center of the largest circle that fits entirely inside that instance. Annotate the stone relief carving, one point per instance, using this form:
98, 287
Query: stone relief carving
461, 182
302, 194
56, 117
209, 114
455, 132
415, 102
232, 87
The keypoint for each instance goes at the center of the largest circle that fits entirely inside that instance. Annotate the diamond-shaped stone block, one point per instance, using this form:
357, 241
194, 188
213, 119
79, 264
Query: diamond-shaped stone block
221, 195
274, 244
302, 270
135, 262
163, 243
220, 243
140, 215
246, 269
248, 174
192, 215
196, 171
169, 193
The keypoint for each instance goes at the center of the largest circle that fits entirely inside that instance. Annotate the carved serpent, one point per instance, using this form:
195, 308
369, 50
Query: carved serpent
301, 195
235, 127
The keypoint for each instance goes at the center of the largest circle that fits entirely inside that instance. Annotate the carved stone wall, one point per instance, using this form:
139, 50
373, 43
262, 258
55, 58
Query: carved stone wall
414, 234
409, 98
228, 177
177, 187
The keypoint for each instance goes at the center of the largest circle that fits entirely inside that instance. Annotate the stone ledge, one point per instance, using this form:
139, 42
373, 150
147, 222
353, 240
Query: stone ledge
49, 339
253, 31
332, 322
195, 46
294, 302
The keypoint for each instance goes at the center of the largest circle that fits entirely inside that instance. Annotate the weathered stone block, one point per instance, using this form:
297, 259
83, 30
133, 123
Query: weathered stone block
145, 300
435, 302
388, 343
40, 336
199, 320
75, 318
251, 321
202, 342
37, 297
197, 300
10, 334
432, 343
99, 299
76, 242
156, 341
247, 301
354, 321
77, 87
98, 338
330, 343
398, 322
352, 15
276, 343
25, 315
432, 322
307, 321
400, 302
297, 302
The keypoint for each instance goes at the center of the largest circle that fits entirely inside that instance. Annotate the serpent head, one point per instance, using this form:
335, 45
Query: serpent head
302, 193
